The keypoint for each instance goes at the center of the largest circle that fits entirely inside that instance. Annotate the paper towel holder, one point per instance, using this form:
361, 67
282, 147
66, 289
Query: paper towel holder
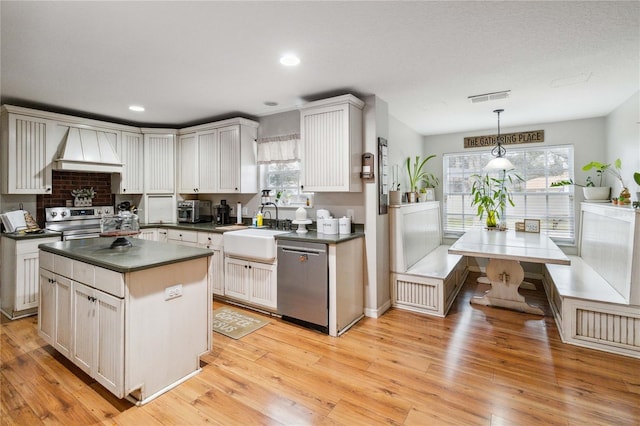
367, 167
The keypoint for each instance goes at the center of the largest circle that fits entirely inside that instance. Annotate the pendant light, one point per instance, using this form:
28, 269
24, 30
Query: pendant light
500, 162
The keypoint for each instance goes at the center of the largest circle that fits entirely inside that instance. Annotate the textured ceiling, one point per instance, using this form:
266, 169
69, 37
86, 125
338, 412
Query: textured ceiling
187, 62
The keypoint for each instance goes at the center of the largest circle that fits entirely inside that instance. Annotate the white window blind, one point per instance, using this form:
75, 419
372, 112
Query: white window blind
533, 198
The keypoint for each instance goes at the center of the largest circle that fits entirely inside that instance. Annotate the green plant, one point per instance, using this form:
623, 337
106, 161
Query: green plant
491, 194
600, 169
416, 174
636, 177
83, 193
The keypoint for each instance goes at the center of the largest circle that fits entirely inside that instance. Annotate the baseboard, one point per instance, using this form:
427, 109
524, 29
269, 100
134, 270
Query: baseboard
377, 313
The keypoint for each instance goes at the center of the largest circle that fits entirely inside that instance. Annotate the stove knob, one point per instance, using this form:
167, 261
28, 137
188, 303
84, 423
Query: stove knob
99, 211
54, 214
63, 214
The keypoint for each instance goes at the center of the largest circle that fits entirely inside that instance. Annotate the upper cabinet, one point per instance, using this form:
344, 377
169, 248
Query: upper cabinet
159, 155
218, 158
27, 153
130, 148
331, 144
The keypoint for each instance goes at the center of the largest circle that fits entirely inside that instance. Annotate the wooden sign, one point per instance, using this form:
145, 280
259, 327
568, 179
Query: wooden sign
507, 139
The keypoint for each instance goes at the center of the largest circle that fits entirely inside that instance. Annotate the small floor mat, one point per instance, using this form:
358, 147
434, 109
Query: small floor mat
235, 323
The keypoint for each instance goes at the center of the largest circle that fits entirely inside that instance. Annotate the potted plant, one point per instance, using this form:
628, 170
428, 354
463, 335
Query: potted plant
591, 191
491, 195
428, 189
416, 175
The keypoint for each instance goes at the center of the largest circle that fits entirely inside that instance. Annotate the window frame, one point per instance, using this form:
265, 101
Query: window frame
562, 159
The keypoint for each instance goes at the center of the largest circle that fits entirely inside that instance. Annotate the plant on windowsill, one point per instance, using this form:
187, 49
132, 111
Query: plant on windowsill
417, 175
428, 190
593, 192
491, 195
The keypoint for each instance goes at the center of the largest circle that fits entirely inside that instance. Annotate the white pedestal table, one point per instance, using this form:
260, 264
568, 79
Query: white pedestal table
505, 250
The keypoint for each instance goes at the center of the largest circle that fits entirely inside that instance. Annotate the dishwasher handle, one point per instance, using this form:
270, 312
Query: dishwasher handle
301, 250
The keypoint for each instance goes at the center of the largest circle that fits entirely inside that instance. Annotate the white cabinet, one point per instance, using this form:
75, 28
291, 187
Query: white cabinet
253, 282
20, 276
159, 155
26, 153
185, 238
130, 149
98, 336
199, 156
150, 234
213, 242
54, 317
121, 328
231, 166
218, 157
331, 145
163, 235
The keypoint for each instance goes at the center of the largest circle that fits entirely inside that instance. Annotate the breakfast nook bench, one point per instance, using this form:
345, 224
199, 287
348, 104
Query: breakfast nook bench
424, 276
596, 300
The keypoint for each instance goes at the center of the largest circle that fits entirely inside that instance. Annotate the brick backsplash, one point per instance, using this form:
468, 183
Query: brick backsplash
64, 182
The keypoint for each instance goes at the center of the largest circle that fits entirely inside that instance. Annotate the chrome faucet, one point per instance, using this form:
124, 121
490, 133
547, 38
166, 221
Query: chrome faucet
274, 205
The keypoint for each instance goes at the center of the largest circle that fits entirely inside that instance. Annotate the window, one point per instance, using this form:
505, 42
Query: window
284, 178
533, 198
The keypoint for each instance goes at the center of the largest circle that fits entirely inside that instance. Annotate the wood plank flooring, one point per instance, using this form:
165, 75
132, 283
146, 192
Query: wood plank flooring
477, 366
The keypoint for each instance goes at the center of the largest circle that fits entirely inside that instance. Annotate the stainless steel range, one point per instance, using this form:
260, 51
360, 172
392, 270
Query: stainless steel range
76, 222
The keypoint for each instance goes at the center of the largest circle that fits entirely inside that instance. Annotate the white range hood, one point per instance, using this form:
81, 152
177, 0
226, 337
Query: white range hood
87, 150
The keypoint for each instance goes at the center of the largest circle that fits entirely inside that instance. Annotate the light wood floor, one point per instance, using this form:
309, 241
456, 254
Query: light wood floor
477, 366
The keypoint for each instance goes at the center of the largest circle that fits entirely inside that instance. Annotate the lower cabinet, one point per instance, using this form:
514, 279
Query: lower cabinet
214, 242
123, 329
83, 323
150, 234
252, 282
98, 336
54, 318
185, 238
19, 276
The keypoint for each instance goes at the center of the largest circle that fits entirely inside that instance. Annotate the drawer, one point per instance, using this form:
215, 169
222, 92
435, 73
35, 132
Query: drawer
46, 260
63, 266
111, 282
83, 273
184, 236
209, 239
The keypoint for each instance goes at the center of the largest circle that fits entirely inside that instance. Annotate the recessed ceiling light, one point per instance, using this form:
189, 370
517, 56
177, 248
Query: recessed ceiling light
136, 108
271, 103
289, 60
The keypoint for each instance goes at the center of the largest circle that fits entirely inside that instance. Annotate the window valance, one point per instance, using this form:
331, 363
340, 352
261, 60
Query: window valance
278, 149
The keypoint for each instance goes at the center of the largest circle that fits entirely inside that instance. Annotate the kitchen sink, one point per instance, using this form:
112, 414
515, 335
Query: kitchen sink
253, 243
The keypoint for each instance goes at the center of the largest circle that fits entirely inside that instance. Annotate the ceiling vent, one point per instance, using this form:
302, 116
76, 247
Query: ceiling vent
485, 97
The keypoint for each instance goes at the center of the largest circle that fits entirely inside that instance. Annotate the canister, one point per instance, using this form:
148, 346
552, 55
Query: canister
330, 226
344, 224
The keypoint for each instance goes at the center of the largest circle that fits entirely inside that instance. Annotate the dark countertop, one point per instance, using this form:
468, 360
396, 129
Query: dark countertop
31, 236
141, 255
314, 237
310, 236
201, 227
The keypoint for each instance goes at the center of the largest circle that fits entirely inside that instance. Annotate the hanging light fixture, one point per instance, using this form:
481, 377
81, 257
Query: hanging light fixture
500, 162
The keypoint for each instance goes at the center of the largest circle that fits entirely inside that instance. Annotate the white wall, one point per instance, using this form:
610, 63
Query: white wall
588, 137
623, 141
404, 142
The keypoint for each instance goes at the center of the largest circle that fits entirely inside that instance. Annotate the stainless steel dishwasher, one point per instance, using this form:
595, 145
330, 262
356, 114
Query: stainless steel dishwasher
303, 284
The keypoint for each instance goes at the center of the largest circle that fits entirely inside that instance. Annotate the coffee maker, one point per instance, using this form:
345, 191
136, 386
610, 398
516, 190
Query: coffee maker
221, 213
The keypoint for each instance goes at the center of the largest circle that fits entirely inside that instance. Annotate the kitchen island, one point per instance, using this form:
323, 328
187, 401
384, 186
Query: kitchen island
135, 319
